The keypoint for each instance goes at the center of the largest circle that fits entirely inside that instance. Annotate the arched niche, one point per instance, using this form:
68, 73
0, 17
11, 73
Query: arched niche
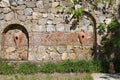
15, 42
87, 23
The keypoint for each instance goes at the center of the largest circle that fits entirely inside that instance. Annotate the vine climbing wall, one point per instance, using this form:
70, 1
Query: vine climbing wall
36, 30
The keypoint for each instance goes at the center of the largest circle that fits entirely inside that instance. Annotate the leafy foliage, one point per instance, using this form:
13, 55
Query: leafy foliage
6, 68
61, 67
48, 68
28, 68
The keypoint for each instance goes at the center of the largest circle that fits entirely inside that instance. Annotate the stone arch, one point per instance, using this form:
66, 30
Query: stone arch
93, 23
15, 27
88, 14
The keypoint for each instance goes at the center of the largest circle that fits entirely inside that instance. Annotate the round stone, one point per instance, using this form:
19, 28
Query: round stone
1, 16
28, 11
49, 21
20, 2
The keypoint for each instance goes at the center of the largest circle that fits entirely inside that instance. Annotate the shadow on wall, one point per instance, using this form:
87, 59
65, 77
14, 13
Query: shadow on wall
109, 51
18, 37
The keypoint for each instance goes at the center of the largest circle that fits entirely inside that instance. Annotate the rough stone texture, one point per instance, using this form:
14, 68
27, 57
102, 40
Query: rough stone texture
4, 3
1, 16
20, 2
36, 15
6, 10
30, 4
20, 12
55, 4
50, 28
21, 18
9, 16
40, 4
60, 27
28, 11
43, 23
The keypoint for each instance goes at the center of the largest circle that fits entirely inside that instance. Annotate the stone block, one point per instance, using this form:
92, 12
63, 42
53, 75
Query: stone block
50, 28
60, 49
55, 4
10, 49
9, 16
21, 18
60, 27
55, 56
36, 15
40, 4
49, 22
42, 21
4, 3
30, 4
64, 56
21, 7
20, 2
42, 28
28, 11
45, 15
1, 16
6, 10
20, 12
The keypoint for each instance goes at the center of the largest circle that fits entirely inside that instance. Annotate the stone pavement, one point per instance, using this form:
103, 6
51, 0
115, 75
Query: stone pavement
105, 76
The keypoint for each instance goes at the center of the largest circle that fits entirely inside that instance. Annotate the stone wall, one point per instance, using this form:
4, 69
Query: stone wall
45, 35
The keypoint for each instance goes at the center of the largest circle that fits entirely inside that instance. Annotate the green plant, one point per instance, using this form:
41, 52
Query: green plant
28, 68
6, 68
48, 67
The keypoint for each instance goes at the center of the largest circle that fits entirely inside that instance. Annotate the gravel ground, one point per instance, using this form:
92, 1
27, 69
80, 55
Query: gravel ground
105, 76
54, 76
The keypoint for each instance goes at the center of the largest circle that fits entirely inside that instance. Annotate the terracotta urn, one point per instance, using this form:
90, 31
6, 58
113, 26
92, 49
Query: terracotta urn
82, 37
18, 38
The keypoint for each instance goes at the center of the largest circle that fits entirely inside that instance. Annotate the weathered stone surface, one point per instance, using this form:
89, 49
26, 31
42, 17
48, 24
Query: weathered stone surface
100, 5
1, 16
60, 49
28, 11
45, 15
50, 38
10, 49
69, 49
67, 27
102, 18
42, 28
72, 56
13, 3
21, 7
49, 22
51, 16
64, 56
20, 12
108, 20
60, 27
20, 2
53, 10
55, 4
9, 16
47, 4
4, 3
55, 56
50, 28
36, 15
42, 21
24, 55
21, 17
39, 4
6, 10
30, 4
